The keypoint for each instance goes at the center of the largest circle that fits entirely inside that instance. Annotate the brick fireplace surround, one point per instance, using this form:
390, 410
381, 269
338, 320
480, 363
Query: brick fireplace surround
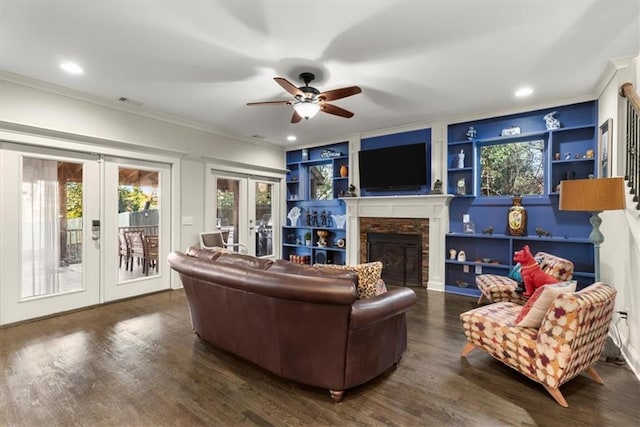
400, 226
402, 213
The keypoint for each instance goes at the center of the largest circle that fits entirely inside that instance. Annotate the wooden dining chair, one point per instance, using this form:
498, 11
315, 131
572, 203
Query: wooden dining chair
151, 253
124, 251
136, 242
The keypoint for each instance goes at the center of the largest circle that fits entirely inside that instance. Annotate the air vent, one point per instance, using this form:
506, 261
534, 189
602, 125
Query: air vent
129, 101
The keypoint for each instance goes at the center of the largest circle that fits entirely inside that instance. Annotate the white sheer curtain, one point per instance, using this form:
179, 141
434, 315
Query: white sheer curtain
40, 227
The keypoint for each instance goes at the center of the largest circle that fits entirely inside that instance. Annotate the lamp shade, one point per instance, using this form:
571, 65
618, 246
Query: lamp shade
592, 195
307, 109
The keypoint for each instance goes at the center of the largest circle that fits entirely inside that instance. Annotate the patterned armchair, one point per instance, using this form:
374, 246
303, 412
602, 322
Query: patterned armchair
568, 342
498, 288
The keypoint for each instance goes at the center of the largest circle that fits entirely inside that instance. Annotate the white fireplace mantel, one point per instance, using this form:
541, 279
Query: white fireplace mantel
433, 207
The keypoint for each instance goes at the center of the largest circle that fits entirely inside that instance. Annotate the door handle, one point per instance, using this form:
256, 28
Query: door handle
95, 229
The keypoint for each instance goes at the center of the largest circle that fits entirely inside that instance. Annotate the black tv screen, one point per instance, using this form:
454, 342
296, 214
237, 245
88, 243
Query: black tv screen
393, 167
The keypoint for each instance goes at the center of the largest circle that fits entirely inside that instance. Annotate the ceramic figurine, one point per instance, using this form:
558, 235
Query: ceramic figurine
452, 253
550, 121
460, 161
437, 187
293, 215
541, 232
471, 133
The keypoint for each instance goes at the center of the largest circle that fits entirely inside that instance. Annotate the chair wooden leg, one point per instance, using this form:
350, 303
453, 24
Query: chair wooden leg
555, 393
591, 372
468, 348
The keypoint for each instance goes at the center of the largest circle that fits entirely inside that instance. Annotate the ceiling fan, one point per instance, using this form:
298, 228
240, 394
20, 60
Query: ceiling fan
309, 100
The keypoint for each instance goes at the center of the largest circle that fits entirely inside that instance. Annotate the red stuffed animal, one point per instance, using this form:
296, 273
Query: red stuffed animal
532, 275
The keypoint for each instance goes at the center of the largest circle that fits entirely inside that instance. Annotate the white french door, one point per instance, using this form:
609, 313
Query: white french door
262, 215
49, 261
245, 207
137, 222
62, 216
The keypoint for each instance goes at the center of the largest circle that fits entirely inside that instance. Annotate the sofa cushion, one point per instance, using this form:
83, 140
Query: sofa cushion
210, 254
241, 260
288, 267
536, 307
368, 277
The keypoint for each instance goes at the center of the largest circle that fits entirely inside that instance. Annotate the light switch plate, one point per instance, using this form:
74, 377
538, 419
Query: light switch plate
187, 220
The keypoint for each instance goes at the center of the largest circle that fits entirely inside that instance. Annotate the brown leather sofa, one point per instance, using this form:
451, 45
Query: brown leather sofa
302, 323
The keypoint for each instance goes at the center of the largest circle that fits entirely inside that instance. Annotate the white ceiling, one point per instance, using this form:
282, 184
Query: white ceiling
415, 61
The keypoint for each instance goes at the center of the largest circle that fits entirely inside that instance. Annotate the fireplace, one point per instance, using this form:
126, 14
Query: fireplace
400, 254
395, 230
426, 215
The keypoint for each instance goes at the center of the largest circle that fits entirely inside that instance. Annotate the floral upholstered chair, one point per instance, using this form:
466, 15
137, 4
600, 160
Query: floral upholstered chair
570, 337
496, 288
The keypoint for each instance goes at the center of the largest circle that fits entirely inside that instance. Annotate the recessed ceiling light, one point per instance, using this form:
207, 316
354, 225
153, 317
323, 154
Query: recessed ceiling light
524, 91
71, 67
291, 138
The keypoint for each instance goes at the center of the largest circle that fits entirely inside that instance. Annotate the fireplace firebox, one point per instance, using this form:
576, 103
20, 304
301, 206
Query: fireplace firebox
400, 254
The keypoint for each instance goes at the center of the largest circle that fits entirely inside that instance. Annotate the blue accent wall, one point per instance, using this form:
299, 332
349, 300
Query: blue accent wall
396, 140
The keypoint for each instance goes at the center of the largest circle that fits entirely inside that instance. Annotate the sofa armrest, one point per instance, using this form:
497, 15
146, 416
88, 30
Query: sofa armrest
365, 312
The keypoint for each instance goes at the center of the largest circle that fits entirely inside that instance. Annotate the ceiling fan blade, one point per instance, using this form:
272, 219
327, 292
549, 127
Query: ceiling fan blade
296, 117
336, 111
331, 95
288, 86
270, 103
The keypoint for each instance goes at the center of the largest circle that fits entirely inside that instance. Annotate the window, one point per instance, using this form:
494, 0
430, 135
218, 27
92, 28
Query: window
512, 168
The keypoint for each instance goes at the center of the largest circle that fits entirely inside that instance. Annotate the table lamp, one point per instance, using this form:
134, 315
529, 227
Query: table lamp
593, 195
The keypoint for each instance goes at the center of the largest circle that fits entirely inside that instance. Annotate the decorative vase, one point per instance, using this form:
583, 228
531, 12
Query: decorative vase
322, 237
339, 220
293, 215
517, 217
344, 171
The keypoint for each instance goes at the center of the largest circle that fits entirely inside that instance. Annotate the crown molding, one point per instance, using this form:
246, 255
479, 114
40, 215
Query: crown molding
128, 108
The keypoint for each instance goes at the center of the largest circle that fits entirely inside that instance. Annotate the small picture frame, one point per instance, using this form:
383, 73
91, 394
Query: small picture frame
604, 148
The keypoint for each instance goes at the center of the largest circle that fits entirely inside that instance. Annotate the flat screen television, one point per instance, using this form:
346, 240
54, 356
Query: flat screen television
404, 166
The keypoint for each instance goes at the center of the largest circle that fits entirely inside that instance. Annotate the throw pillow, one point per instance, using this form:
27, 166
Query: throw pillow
368, 277
533, 312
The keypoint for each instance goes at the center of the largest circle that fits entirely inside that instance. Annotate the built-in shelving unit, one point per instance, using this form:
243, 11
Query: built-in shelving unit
570, 152
300, 176
494, 255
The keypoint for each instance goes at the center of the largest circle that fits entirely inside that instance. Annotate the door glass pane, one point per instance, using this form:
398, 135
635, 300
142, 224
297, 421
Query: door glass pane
51, 227
264, 230
228, 192
138, 219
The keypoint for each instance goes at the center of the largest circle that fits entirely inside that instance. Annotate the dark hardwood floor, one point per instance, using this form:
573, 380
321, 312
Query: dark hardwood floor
137, 362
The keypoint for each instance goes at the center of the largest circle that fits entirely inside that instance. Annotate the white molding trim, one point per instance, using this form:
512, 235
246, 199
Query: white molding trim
128, 108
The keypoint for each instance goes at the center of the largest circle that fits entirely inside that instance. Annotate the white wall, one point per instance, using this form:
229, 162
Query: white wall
35, 108
620, 252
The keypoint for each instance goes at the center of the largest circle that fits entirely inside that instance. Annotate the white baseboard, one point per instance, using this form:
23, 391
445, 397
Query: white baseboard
632, 358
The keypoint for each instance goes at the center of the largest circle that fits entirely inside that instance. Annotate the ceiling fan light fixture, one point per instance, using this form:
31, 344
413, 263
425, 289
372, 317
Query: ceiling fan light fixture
306, 109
